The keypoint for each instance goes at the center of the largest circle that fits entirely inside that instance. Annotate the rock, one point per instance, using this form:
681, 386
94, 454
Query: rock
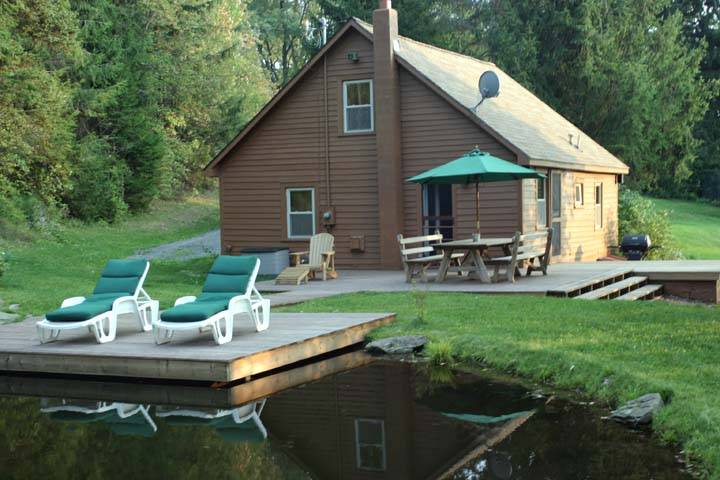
13, 308
8, 317
639, 411
397, 345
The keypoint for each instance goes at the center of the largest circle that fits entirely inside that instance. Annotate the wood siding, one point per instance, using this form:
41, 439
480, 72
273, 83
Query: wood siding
287, 149
434, 133
580, 239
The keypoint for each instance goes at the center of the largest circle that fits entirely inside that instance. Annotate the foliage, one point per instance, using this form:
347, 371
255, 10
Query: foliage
97, 182
440, 353
695, 227
284, 35
613, 351
420, 295
37, 49
637, 214
3, 262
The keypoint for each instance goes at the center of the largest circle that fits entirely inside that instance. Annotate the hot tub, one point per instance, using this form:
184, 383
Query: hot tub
273, 260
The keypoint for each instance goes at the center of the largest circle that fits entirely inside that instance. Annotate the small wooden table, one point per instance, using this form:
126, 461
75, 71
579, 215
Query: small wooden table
473, 254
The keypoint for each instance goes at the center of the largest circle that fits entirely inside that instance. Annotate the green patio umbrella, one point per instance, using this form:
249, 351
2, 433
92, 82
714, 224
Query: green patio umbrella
475, 167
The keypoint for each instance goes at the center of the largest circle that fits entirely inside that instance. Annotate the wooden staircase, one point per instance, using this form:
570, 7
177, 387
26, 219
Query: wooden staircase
615, 285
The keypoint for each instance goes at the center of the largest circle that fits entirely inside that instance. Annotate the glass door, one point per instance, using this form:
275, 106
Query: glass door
556, 212
437, 210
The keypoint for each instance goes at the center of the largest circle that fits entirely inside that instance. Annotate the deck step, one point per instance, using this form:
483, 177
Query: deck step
583, 286
612, 290
643, 293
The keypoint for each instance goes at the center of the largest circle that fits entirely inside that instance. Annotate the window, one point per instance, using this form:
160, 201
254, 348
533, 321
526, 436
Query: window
556, 199
541, 202
300, 212
358, 106
598, 206
370, 444
579, 195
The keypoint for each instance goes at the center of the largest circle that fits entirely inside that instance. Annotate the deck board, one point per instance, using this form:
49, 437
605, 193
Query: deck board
291, 337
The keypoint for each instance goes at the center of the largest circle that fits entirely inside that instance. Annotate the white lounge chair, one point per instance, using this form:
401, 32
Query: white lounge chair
229, 291
236, 424
119, 291
123, 418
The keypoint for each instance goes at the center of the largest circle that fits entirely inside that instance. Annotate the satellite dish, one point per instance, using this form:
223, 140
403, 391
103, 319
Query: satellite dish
488, 85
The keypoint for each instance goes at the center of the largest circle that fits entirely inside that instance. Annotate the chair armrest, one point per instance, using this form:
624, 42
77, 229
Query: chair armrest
298, 254
185, 299
238, 299
69, 302
328, 254
121, 300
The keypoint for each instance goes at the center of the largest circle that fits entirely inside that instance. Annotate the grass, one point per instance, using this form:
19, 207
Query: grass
41, 273
612, 351
695, 226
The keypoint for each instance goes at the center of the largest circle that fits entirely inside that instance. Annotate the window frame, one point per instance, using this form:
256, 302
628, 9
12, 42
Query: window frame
599, 214
556, 181
383, 445
541, 203
289, 212
581, 202
345, 85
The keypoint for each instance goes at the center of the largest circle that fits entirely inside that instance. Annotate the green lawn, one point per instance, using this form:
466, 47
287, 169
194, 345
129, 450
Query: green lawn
695, 226
40, 274
612, 351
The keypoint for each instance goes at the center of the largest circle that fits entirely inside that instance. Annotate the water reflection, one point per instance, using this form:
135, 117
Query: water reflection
382, 420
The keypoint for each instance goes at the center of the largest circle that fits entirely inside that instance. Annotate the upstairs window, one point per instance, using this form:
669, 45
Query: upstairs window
300, 212
358, 106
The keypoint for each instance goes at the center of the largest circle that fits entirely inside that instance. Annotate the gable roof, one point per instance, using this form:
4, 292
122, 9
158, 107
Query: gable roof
516, 118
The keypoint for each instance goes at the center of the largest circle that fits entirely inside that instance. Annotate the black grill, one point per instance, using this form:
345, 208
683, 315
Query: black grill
635, 247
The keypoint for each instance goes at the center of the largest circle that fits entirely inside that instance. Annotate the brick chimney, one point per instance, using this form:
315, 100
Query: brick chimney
387, 132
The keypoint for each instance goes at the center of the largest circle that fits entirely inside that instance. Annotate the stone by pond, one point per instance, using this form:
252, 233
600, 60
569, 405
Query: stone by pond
397, 345
639, 411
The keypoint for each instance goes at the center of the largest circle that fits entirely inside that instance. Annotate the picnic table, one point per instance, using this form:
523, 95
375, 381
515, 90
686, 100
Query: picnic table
472, 263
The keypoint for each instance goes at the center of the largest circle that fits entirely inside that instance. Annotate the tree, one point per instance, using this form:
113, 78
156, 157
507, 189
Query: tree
37, 49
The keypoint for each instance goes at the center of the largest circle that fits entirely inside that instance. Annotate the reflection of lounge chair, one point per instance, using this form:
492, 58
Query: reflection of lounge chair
240, 424
122, 418
229, 290
119, 291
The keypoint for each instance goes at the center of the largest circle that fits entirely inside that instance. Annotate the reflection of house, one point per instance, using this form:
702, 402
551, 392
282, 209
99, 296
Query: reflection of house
366, 424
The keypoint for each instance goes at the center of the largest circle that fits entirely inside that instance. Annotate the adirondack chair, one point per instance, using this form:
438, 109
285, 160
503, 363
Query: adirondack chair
528, 248
320, 256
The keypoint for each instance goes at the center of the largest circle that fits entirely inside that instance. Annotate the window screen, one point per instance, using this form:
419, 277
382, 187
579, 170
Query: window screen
301, 212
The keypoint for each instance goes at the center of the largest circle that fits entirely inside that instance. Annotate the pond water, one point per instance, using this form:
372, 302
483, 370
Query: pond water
378, 420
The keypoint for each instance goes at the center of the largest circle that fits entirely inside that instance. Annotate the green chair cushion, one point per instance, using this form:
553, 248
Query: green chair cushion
121, 277
194, 311
91, 307
246, 432
228, 277
80, 417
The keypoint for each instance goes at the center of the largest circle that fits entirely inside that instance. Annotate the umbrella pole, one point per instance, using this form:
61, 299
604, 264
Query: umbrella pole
477, 208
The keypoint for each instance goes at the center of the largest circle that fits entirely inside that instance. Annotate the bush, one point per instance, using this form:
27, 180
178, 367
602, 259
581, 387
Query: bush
638, 214
23, 216
97, 183
2, 263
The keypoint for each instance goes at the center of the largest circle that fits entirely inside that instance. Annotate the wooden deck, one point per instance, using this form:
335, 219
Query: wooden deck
698, 279
291, 338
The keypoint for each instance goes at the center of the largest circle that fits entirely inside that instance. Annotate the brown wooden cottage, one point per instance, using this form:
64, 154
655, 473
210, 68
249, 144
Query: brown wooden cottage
373, 108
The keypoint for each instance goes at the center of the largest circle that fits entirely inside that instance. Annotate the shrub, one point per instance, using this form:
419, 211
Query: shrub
2, 263
97, 183
638, 214
440, 353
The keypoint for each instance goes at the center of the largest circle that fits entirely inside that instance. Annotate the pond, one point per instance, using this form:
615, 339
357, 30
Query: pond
356, 419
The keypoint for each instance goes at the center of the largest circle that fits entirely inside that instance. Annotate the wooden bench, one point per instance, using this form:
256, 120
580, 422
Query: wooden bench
525, 249
418, 255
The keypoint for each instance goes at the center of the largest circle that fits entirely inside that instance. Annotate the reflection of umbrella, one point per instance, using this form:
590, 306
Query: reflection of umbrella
475, 167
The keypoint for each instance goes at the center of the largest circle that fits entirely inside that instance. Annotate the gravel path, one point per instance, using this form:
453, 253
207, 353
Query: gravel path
203, 245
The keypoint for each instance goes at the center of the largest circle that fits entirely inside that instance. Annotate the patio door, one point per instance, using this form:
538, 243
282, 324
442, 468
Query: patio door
437, 210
